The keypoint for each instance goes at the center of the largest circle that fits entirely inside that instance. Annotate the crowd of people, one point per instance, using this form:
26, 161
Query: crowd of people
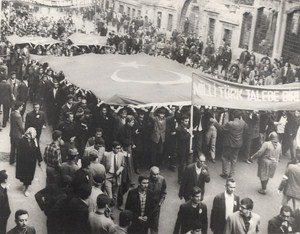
135, 35
97, 148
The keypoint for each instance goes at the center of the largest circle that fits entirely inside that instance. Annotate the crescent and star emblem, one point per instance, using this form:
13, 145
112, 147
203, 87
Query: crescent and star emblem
182, 78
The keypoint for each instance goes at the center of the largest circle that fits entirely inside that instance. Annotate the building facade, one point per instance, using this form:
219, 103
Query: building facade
162, 14
268, 27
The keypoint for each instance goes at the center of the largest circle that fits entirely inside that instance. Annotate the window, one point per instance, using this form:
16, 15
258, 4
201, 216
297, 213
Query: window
133, 12
246, 29
170, 22
291, 46
265, 31
159, 14
211, 29
244, 2
128, 11
227, 36
121, 9
139, 13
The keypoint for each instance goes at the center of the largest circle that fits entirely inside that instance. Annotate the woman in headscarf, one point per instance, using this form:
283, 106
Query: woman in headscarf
268, 156
27, 155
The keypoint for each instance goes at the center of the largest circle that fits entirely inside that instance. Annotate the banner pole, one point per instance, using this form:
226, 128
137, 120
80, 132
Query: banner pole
192, 115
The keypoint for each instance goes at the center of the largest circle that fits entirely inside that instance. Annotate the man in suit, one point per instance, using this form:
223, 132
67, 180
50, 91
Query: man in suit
68, 107
36, 119
234, 133
4, 203
16, 130
5, 100
243, 221
158, 185
195, 174
158, 134
114, 163
23, 93
54, 99
77, 212
291, 190
283, 223
183, 137
192, 215
224, 204
245, 56
198, 130
14, 86
140, 203
287, 74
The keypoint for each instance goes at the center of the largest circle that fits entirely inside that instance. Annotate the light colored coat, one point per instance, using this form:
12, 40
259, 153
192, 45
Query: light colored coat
107, 161
235, 224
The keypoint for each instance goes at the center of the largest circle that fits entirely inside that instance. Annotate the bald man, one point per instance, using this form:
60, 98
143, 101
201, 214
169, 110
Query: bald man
157, 184
189, 180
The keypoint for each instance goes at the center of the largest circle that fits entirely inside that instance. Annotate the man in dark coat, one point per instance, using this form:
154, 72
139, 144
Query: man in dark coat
4, 204
224, 204
28, 153
36, 119
54, 99
77, 212
245, 56
16, 130
23, 93
5, 100
234, 134
192, 215
195, 174
82, 176
140, 203
183, 146
158, 185
282, 223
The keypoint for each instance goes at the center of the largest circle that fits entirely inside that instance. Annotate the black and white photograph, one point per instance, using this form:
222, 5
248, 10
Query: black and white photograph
149, 116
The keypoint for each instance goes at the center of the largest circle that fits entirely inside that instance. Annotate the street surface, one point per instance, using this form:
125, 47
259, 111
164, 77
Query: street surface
266, 206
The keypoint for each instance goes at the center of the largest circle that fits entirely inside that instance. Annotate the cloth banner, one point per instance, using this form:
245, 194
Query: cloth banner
137, 79
81, 39
214, 92
36, 40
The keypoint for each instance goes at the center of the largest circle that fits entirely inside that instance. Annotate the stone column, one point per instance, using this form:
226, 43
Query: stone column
253, 27
280, 30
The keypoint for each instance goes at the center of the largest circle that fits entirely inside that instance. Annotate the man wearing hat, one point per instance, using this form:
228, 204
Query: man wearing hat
158, 135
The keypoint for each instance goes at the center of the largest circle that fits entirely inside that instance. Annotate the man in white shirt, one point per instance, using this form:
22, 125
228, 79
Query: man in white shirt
224, 204
114, 163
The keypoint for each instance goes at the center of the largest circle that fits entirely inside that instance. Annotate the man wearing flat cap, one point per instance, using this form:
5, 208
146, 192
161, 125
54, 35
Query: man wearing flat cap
158, 135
